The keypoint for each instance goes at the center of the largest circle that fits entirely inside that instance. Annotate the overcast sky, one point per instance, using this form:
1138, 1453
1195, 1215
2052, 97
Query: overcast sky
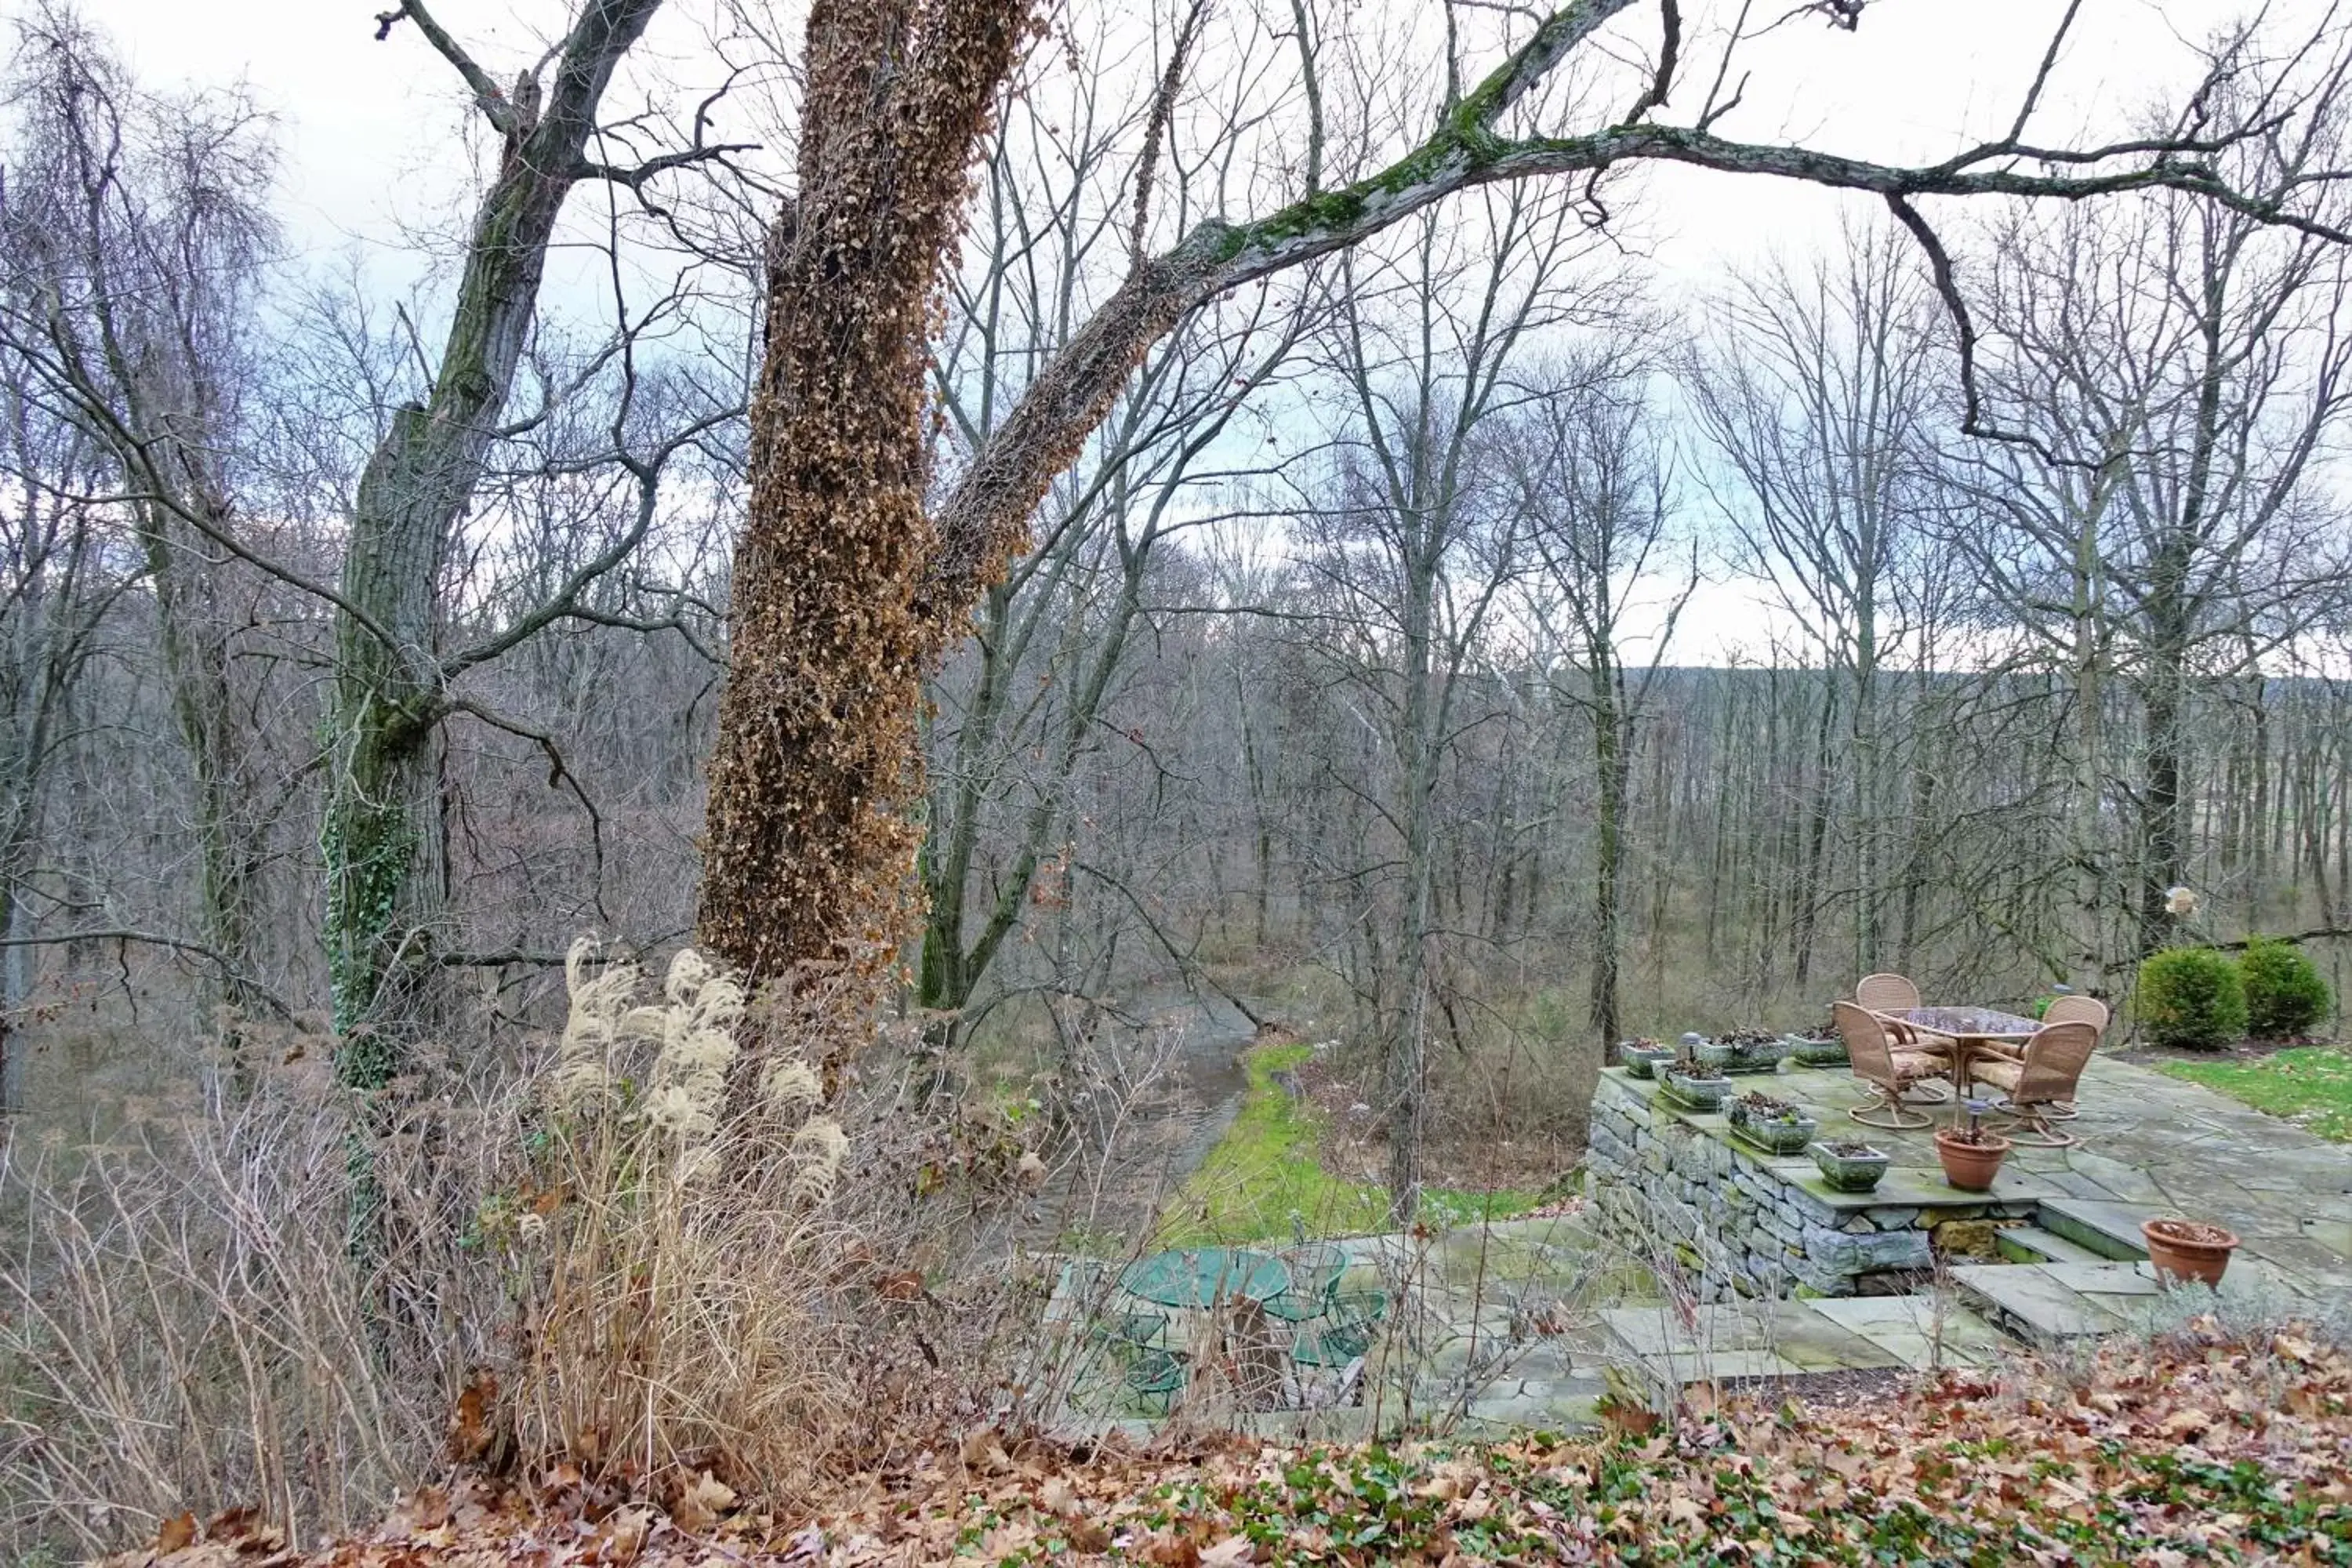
367, 128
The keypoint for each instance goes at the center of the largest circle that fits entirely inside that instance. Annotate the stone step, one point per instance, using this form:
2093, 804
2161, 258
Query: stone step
1666, 1351
2049, 1302
1924, 1331
2111, 1230
2031, 1244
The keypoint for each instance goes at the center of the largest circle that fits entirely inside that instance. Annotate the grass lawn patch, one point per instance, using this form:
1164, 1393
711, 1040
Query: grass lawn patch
2309, 1085
1266, 1169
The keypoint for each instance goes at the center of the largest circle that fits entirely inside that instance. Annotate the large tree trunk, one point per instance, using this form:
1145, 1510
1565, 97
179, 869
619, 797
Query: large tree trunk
807, 848
1611, 763
387, 881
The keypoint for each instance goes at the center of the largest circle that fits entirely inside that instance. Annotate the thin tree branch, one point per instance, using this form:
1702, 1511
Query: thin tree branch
488, 98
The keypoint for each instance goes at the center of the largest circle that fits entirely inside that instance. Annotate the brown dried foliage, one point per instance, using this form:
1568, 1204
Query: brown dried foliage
807, 853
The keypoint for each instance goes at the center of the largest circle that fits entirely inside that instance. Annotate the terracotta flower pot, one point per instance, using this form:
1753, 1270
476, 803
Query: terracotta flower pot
1971, 1166
2187, 1249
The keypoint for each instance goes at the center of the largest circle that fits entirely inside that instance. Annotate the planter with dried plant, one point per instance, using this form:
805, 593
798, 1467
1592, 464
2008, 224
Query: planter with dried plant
1819, 1046
1848, 1165
1643, 1057
1971, 1156
1689, 1085
2187, 1250
1774, 1126
1743, 1051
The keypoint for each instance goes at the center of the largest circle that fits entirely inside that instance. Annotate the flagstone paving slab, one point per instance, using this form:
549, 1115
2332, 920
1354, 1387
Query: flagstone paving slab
1924, 1331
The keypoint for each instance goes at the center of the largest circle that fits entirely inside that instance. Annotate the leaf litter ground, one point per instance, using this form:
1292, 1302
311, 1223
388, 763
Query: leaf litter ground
2203, 1449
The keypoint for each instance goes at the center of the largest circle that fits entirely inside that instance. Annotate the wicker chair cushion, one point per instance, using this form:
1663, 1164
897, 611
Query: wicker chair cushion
2001, 1073
1913, 1065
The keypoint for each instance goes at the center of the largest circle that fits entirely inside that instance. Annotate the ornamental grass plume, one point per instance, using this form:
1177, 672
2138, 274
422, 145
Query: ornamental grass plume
682, 1248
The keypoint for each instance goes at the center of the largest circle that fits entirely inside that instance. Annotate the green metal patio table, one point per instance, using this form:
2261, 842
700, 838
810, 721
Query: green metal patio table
1202, 1277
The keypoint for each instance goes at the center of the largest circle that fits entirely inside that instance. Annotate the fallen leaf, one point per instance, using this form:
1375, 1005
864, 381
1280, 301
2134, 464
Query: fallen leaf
2185, 1423
701, 1501
176, 1532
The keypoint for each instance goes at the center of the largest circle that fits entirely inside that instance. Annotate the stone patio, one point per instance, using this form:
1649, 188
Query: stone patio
1528, 1322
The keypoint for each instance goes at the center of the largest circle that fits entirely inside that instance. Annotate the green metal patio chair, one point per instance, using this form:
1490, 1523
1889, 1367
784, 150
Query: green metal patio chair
1315, 1272
1342, 1334
1150, 1369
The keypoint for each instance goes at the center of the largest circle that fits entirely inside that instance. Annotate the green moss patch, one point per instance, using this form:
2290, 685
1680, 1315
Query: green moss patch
1266, 1169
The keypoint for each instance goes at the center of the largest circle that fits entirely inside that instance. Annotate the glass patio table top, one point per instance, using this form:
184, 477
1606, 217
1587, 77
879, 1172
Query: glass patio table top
1203, 1276
1969, 1023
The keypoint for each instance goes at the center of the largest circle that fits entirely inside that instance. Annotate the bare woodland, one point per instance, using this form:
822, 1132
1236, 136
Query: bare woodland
1019, 507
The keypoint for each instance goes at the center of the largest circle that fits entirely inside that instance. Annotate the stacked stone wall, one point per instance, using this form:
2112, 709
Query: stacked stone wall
1677, 1187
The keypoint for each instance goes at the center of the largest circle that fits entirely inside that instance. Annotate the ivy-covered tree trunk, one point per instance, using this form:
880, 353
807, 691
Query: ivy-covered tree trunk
383, 838
809, 848
844, 586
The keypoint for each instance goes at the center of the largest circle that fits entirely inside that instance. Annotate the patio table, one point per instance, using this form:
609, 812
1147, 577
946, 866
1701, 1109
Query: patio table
1971, 1031
1202, 1277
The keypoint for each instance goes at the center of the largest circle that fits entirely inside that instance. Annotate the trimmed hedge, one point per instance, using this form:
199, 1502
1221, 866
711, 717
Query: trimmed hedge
2284, 995
2191, 997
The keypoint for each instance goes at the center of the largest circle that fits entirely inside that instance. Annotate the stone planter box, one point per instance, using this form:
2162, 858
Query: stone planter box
1695, 1093
1778, 1138
1807, 1052
1774, 1135
1849, 1173
1740, 1059
1644, 1061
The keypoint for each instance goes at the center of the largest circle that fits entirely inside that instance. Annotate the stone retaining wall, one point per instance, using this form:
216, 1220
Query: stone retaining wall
1670, 1181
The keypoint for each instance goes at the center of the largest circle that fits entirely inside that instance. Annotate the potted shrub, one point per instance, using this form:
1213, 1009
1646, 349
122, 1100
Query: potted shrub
1643, 1056
1848, 1165
1773, 1125
1691, 1086
2191, 997
2187, 1249
1818, 1046
1971, 1154
1743, 1051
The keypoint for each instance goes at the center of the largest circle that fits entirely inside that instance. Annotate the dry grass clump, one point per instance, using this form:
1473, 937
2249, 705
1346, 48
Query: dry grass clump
183, 1322
657, 1244
676, 1235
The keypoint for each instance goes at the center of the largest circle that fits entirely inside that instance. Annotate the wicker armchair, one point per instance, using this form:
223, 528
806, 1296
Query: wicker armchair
1886, 993
1889, 1070
2077, 1010
2043, 1077
2068, 1010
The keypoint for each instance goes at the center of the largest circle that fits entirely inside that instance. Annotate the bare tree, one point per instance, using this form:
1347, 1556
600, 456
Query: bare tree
2181, 364
1817, 392
60, 585
135, 232
395, 679
1590, 469
847, 584
1414, 552
1019, 709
